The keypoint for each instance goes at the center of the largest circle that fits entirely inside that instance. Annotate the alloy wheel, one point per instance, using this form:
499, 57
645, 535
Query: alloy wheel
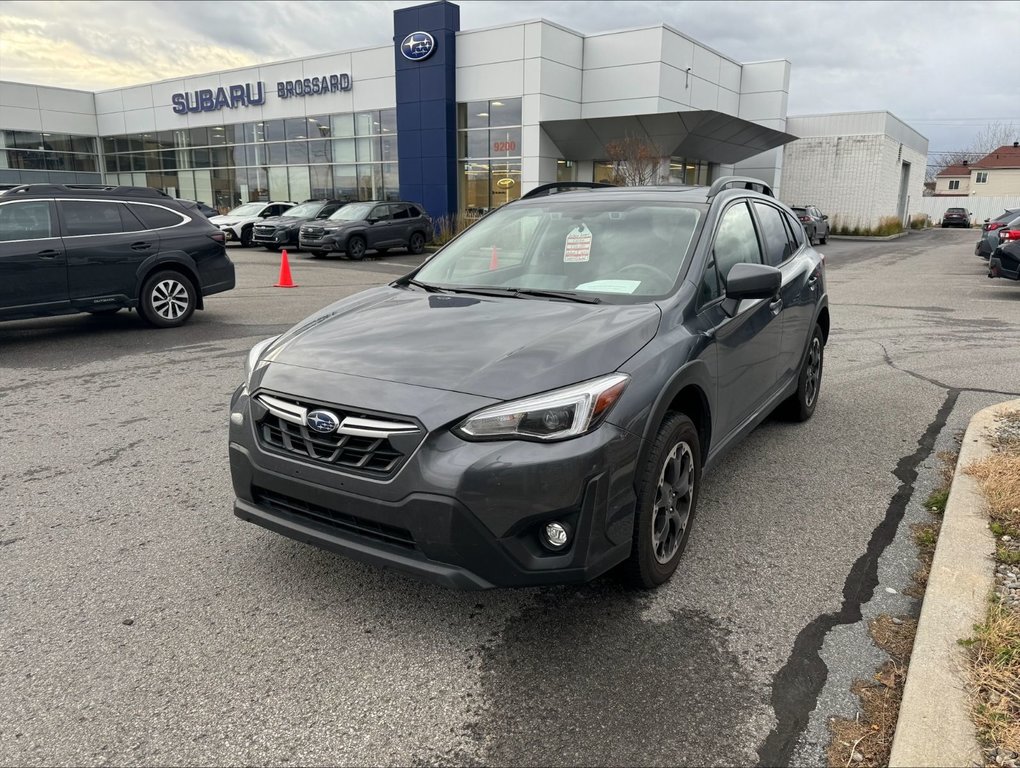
170, 299
673, 499
814, 370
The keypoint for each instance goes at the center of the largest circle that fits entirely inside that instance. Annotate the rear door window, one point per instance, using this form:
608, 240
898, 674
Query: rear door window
777, 242
95, 217
27, 220
400, 212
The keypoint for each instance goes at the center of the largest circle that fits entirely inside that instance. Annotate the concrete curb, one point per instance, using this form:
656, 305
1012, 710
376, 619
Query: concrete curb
876, 239
934, 726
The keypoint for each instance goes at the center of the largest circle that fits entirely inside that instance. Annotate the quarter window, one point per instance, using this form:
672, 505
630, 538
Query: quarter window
30, 220
92, 218
796, 230
155, 217
777, 242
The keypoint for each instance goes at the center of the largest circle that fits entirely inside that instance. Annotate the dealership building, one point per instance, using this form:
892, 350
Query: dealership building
460, 121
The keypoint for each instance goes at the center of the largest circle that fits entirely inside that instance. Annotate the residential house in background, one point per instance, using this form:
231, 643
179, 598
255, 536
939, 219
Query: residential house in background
994, 175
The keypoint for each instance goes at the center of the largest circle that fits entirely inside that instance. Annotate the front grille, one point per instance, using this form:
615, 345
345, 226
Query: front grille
265, 231
390, 534
313, 232
374, 454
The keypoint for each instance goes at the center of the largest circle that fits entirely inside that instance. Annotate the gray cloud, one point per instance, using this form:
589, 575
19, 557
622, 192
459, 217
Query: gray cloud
916, 59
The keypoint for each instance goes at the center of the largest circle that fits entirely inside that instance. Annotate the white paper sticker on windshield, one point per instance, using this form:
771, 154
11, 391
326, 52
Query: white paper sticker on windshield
610, 286
578, 245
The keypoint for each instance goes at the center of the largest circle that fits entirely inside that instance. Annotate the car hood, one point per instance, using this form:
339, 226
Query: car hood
499, 348
338, 224
227, 221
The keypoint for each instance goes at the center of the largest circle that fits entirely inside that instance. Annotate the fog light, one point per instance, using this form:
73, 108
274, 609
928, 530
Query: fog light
555, 536
237, 418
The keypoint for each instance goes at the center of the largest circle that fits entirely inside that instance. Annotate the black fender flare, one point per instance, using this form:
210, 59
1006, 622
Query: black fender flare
178, 260
693, 374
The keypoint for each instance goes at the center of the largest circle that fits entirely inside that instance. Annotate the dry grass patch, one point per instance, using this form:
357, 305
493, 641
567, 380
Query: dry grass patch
867, 739
996, 673
926, 535
999, 478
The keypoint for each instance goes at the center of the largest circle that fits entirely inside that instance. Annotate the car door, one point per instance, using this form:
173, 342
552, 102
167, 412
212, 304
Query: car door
789, 253
402, 222
821, 224
748, 341
378, 227
33, 263
105, 243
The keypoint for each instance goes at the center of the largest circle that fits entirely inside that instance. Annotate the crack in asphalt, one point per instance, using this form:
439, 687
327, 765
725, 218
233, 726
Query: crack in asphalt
935, 382
797, 685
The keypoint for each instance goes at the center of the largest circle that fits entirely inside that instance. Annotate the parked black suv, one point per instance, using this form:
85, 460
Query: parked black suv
816, 223
278, 231
89, 248
536, 403
374, 225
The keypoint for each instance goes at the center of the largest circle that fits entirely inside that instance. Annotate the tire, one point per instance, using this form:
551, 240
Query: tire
356, 247
246, 237
416, 244
823, 240
801, 404
168, 299
667, 500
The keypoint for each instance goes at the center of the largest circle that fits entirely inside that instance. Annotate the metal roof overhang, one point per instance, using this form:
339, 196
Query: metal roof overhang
706, 135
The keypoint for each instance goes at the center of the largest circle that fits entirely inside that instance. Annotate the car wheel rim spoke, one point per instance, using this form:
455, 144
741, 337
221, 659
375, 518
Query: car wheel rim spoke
672, 508
814, 365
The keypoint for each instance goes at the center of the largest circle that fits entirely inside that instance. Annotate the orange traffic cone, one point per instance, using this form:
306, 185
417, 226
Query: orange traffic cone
286, 281
494, 259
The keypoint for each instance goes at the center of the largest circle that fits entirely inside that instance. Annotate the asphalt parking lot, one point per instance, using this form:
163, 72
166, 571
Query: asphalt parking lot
142, 623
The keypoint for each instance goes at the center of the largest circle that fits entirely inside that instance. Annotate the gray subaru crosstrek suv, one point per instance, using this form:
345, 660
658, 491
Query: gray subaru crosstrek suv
538, 401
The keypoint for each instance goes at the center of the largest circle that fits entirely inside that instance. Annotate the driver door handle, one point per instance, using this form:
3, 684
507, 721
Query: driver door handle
49, 253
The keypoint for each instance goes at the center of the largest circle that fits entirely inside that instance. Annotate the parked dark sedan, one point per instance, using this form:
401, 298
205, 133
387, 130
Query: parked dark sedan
278, 231
1005, 261
538, 401
990, 232
956, 217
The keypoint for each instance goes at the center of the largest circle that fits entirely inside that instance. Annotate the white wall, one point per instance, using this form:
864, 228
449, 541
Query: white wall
41, 108
764, 96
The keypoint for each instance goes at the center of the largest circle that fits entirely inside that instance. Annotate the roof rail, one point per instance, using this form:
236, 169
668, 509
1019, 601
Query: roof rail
747, 182
563, 186
49, 189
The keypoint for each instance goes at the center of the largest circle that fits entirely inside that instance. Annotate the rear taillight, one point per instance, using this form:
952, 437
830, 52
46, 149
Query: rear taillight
219, 237
994, 225
805, 218
1009, 235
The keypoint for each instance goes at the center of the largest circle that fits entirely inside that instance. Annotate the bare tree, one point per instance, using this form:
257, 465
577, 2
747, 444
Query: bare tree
635, 161
992, 136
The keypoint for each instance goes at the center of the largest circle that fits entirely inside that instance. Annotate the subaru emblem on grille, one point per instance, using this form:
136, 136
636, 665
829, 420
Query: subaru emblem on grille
323, 421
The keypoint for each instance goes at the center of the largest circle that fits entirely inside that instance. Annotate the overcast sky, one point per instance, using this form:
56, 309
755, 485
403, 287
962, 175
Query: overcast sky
947, 68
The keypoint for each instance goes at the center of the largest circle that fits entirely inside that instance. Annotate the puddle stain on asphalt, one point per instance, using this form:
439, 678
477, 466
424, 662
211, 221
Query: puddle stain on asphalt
579, 678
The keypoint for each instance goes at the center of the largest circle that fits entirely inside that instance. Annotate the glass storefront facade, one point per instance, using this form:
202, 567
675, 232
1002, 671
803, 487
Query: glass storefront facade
351, 156
489, 154
58, 158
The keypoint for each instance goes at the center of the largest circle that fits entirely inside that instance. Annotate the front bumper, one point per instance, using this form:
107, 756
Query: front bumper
458, 513
279, 237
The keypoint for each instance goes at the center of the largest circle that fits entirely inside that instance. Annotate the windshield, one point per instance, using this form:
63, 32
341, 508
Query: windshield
248, 209
303, 211
352, 212
601, 247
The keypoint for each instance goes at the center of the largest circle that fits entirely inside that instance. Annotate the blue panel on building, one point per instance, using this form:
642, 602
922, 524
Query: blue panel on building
427, 105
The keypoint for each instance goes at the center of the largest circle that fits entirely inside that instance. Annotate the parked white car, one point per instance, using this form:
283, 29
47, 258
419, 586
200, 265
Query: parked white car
237, 225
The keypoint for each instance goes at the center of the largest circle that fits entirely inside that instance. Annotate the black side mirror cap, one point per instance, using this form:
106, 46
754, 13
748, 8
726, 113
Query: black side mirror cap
826, 218
751, 281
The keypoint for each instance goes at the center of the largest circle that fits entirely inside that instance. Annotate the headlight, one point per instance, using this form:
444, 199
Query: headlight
253, 358
557, 415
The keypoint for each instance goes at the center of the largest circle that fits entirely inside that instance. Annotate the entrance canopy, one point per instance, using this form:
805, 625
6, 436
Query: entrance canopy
707, 135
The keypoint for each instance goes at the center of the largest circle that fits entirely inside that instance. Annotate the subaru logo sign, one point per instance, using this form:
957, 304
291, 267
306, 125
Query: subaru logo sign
418, 46
322, 421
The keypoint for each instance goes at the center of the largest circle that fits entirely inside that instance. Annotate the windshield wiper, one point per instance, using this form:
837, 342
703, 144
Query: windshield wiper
568, 295
428, 287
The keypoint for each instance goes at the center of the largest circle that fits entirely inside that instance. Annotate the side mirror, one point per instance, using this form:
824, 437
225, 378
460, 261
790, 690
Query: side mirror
371, 220
751, 281
826, 218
